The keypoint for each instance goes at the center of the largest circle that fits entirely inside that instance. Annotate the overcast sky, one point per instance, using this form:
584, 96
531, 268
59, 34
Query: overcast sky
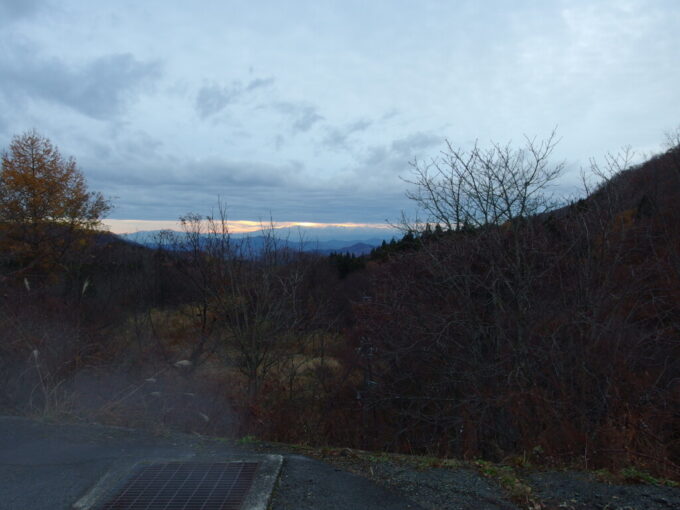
311, 110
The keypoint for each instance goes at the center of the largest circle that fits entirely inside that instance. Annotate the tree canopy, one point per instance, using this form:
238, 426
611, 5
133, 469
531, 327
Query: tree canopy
38, 185
485, 186
44, 201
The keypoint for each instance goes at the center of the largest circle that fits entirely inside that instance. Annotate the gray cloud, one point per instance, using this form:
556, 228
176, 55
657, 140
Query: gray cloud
157, 186
598, 72
322, 204
99, 89
371, 191
401, 150
392, 113
212, 99
148, 167
302, 116
382, 165
12, 10
259, 83
337, 137
376, 155
245, 174
306, 119
411, 145
282, 203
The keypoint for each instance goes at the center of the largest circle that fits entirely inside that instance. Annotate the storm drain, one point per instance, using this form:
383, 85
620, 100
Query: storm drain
186, 486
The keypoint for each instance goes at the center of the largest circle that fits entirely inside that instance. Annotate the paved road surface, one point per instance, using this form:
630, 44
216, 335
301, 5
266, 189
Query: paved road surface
49, 466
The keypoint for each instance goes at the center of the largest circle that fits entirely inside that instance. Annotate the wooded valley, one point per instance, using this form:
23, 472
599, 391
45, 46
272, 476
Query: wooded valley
507, 322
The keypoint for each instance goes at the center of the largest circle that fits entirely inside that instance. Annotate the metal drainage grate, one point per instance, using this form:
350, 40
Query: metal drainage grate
186, 486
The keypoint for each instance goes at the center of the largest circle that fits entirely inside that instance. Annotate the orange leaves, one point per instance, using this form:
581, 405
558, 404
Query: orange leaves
44, 202
38, 185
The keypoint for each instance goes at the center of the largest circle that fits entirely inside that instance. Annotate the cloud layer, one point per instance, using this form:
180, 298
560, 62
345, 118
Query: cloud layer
311, 111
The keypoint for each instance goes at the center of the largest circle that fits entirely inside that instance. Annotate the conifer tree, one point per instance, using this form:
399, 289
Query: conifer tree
45, 205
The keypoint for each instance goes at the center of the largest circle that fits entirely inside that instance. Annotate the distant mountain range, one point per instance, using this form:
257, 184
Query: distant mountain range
325, 240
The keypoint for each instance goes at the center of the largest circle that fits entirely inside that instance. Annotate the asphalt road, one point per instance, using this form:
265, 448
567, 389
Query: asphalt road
51, 466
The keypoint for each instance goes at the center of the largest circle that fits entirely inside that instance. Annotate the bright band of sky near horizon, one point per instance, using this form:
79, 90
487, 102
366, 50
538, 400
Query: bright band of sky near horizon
235, 227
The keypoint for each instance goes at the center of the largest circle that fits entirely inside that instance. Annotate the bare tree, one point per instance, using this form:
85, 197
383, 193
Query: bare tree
673, 148
250, 300
554, 331
483, 186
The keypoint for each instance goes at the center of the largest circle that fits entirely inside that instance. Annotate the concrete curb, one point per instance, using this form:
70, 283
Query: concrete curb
260, 493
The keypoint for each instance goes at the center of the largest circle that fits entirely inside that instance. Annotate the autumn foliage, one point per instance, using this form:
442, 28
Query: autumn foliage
532, 332
553, 337
45, 206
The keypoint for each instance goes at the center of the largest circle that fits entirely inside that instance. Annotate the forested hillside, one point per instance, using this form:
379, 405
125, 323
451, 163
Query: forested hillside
555, 334
511, 325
